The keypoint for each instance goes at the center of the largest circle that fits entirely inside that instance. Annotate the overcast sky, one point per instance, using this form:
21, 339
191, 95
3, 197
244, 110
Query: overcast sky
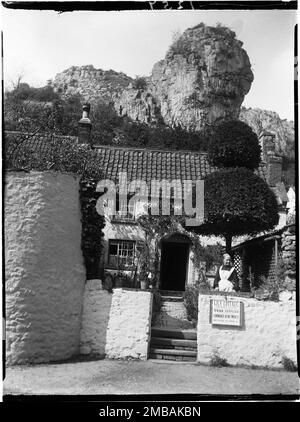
40, 44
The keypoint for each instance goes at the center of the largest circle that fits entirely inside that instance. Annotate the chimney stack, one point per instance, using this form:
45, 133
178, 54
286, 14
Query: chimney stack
85, 125
267, 143
274, 169
273, 162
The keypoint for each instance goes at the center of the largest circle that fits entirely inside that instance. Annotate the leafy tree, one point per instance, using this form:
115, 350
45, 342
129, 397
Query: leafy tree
237, 202
234, 144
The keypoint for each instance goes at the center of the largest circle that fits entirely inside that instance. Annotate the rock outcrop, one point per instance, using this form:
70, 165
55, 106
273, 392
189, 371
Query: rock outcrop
284, 131
92, 84
203, 78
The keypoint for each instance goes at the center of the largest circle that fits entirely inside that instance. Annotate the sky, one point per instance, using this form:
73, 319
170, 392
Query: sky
40, 44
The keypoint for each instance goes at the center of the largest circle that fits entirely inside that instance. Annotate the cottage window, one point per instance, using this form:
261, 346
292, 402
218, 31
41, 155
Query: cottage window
121, 253
124, 211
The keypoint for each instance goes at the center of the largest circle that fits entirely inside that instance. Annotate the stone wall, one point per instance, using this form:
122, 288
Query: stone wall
288, 248
95, 317
268, 333
129, 325
44, 268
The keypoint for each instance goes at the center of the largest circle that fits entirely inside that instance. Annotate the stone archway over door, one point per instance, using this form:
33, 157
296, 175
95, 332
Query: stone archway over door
174, 262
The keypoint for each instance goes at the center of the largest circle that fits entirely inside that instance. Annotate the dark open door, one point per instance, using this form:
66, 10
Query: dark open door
173, 270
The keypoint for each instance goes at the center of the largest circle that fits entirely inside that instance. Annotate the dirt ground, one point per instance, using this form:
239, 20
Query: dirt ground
103, 377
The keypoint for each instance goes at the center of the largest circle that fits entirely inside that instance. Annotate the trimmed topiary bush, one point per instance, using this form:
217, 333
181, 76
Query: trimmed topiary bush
234, 144
237, 202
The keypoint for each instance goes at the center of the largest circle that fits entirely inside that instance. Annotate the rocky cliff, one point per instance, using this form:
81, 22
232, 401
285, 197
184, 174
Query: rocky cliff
203, 78
284, 130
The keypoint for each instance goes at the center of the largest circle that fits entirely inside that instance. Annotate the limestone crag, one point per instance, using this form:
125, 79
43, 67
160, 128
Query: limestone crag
203, 78
91, 83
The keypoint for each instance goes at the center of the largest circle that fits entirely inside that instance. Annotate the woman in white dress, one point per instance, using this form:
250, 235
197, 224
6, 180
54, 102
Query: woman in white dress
226, 279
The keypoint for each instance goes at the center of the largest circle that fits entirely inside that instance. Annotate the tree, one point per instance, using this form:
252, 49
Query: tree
234, 144
237, 202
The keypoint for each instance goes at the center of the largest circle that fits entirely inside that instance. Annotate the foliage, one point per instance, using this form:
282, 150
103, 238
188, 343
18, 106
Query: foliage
180, 46
237, 202
92, 227
217, 361
210, 254
156, 304
155, 228
139, 83
50, 152
191, 298
60, 116
25, 92
234, 144
288, 364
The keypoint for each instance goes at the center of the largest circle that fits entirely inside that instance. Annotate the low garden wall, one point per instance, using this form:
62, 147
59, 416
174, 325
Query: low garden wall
44, 268
95, 317
129, 326
266, 334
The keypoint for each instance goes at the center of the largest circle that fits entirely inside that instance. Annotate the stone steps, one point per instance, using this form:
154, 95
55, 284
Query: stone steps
176, 345
172, 354
173, 342
171, 293
174, 334
172, 299
173, 311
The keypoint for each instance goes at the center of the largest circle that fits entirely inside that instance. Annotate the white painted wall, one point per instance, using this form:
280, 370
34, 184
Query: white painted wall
95, 317
268, 333
129, 325
45, 272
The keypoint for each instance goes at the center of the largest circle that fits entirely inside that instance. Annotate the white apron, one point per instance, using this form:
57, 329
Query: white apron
224, 284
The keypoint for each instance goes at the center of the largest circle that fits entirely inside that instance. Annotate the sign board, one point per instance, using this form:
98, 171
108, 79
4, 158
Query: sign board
226, 312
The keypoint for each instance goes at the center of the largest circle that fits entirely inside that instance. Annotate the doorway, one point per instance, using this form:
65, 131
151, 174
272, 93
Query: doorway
174, 262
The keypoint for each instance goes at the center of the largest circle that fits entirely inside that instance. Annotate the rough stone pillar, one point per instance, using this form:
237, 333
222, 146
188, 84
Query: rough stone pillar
288, 247
44, 268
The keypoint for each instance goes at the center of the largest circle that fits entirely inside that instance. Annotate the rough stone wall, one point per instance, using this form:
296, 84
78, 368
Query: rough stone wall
44, 267
129, 325
289, 257
268, 333
95, 317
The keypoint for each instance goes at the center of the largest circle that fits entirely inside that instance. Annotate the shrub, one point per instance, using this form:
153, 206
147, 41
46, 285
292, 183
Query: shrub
217, 361
288, 364
234, 144
139, 83
191, 298
156, 304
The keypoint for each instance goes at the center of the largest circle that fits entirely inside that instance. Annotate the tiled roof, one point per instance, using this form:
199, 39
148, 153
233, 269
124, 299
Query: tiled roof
139, 163
150, 164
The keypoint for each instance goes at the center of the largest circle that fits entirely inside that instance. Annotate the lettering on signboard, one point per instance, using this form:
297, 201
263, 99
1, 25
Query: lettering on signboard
226, 312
